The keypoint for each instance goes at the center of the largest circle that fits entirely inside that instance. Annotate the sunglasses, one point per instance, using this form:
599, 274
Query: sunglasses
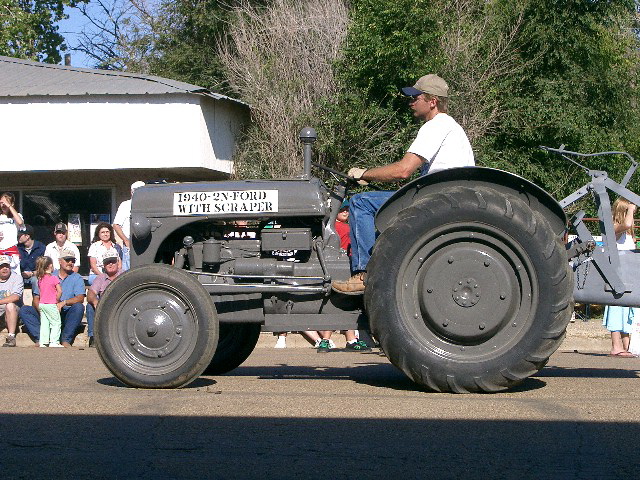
70, 260
109, 261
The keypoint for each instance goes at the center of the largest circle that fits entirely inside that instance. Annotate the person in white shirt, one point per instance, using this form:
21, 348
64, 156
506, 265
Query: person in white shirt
441, 143
55, 248
122, 225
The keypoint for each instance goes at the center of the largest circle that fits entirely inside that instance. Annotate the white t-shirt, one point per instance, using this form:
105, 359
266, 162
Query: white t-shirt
442, 143
625, 242
97, 251
53, 251
123, 215
9, 231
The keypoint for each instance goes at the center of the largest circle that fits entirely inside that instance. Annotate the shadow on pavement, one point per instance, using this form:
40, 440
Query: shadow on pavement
588, 372
169, 447
197, 383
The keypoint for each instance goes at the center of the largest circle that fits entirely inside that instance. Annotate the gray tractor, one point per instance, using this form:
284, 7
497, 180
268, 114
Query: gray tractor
470, 285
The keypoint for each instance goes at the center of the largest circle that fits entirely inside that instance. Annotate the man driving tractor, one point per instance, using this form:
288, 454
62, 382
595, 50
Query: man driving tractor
441, 143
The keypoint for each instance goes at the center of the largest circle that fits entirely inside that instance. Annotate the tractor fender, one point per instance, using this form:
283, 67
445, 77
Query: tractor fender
472, 177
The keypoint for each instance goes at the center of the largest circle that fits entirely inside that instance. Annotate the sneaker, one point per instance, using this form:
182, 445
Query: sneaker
10, 341
43, 345
324, 346
317, 344
358, 346
353, 286
281, 342
55, 345
92, 344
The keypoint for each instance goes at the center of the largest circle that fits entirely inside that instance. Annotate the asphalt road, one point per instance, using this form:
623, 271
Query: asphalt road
297, 414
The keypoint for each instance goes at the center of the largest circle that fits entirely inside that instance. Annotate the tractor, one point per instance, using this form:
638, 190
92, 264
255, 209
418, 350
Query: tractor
470, 286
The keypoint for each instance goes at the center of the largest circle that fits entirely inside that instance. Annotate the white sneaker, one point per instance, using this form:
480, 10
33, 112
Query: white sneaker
281, 343
55, 345
43, 346
331, 344
317, 344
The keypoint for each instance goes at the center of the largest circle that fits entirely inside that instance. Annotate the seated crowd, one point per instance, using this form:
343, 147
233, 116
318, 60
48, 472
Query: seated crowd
54, 270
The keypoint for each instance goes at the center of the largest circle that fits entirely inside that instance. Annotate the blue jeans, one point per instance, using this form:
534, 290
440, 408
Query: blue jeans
71, 320
91, 315
126, 258
362, 211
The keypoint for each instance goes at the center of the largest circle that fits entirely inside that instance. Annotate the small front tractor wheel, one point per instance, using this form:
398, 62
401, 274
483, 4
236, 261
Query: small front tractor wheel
236, 342
469, 290
156, 327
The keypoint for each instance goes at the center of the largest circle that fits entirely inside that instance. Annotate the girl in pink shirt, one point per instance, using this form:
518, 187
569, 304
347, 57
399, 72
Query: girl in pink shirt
50, 293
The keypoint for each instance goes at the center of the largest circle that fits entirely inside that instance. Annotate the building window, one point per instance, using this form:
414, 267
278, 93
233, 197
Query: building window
44, 208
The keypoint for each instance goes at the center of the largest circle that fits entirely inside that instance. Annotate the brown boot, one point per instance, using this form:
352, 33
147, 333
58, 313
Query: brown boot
353, 286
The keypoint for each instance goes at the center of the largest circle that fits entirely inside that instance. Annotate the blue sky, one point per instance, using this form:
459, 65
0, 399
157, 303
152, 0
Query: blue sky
70, 29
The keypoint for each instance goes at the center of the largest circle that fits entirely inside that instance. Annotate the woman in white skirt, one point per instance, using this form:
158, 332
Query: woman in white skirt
619, 320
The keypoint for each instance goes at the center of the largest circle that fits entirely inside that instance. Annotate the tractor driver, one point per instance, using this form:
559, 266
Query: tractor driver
441, 143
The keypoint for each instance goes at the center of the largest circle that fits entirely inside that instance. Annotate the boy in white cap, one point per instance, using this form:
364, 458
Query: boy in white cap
11, 288
122, 225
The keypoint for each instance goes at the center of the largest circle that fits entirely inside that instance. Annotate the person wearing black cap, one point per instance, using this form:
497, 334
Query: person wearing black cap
441, 143
61, 243
30, 249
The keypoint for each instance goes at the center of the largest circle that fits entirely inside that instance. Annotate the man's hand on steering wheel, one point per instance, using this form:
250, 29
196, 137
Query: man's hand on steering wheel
356, 173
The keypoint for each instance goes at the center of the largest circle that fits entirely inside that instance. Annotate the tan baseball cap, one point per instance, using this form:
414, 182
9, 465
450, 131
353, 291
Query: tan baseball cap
431, 83
5, 260
67, 253
109, 254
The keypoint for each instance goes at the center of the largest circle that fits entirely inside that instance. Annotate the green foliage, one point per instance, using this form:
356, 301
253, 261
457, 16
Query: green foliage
578, 88
186, 47
28, 29
389, 45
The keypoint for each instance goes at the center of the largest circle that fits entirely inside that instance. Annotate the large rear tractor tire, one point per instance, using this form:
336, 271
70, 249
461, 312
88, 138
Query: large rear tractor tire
156, 327
469, 291
236, 342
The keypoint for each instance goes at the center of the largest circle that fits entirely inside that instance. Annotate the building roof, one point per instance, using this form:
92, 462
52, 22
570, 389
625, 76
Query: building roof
21, 78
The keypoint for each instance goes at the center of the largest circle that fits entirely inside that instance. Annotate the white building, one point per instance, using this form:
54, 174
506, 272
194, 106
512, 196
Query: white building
74, 139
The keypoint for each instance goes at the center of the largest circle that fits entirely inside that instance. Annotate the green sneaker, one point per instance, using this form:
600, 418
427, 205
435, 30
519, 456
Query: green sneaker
324, 346
358, 346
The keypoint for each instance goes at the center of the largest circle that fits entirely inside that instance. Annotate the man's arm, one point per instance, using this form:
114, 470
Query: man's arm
92, 298
13, 298
72, 300
118, 229
35, 303
396, 171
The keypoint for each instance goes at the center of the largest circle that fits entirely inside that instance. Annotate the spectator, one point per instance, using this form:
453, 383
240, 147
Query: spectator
29, 249
353, 342
342, 227
122, 225
112, 269
50, 293
311, 336
619, 320
11, 288
10, 222
71, 301
55, 248
103, 241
